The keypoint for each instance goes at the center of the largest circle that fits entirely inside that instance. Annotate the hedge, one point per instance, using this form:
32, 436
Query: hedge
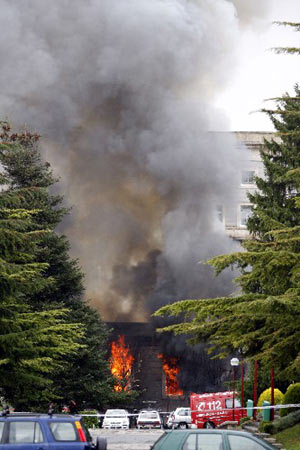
281, 424
90, 422
292, 395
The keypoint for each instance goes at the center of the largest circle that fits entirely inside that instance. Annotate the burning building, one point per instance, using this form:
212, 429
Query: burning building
163, 381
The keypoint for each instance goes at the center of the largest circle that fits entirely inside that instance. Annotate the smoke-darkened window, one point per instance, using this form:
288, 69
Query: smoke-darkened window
248, 177
245, 212
220, 214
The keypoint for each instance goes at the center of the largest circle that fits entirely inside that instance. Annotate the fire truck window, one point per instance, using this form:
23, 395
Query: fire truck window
209, 441
190, 443
243, 443
229, 403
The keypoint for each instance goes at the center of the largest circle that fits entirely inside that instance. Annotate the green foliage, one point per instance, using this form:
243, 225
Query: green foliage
292, 396
288, 50
274, 201
266, 396
281, 424
38, 273
32, 344
90, 422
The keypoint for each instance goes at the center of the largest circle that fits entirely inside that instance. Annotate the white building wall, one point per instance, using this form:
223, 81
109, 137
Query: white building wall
235, 214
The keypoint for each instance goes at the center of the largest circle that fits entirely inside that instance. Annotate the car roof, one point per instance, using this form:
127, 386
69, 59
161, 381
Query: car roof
117, 410
214, 431
31, 416
148, 411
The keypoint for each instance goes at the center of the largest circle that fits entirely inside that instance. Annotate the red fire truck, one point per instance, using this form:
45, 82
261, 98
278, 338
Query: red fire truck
210, 410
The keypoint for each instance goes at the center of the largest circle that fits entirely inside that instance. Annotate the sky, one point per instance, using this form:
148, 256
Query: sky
260, 73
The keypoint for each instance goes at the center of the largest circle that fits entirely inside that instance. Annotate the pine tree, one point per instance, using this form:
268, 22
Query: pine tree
32, 344
28, 180
274, 201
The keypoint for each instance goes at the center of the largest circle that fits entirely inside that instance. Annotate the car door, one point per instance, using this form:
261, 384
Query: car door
24, 435
204, 441
64, 436
239, 442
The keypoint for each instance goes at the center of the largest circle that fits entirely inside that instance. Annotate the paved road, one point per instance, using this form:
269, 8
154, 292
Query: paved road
128, 439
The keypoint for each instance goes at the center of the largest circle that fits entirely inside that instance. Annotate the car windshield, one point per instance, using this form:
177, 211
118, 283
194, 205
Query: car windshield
148, 415
116, 413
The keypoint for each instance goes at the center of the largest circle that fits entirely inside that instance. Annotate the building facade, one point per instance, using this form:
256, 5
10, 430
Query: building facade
235, 215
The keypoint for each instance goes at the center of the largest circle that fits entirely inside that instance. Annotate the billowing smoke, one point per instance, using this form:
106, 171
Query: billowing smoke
122, 91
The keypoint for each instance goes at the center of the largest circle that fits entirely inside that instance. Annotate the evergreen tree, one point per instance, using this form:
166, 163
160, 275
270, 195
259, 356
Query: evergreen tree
274, 201
28, 180
32, 344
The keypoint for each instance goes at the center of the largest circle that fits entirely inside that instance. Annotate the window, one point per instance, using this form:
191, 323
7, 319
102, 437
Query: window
243, 443
229, 403
209, 441
220, 213
245, 213
248, 177
24, 433
63, 431
190, 443
1, 429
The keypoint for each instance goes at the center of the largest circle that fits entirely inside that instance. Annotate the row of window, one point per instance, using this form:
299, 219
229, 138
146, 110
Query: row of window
214, 442
243, 215
31, 432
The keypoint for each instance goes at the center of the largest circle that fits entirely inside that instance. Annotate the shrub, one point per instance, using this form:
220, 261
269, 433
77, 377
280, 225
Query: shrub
292, 395
281, 424
246, 421
90, 422
266, 396
266, 427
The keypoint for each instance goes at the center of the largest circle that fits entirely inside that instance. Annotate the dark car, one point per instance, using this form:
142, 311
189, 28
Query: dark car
210, 439
46, 432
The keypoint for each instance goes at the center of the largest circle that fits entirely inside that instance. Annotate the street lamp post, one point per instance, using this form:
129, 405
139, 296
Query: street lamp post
234, 362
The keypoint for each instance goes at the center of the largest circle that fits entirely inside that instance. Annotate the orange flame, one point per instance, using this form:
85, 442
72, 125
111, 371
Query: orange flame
121, 364
171, 370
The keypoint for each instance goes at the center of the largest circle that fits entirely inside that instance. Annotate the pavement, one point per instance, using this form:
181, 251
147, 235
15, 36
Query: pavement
132, 439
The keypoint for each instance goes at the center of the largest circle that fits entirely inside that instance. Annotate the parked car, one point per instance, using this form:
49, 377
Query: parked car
46, 432
199, 439
149, 419
116, 418
180, 418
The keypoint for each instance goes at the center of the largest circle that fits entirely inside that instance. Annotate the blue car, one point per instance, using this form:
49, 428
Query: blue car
210, 440
46, 432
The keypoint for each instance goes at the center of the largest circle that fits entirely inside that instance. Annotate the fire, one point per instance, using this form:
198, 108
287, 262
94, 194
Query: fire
171, 370
121, 364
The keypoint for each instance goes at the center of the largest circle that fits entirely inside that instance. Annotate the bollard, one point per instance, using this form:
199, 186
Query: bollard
250, 408
266, 413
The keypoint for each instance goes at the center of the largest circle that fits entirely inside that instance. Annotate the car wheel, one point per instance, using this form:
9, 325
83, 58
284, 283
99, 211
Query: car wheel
182, 426
101, 443
209, 425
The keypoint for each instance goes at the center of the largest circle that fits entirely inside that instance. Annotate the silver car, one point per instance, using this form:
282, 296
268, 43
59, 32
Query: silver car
180, 418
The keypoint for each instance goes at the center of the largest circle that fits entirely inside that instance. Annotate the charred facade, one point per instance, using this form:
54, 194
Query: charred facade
160, 387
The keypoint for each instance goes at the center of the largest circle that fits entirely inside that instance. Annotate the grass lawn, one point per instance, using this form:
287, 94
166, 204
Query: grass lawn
290, 438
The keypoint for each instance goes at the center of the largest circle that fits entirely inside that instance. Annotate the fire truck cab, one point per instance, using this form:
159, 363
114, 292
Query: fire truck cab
211, 409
